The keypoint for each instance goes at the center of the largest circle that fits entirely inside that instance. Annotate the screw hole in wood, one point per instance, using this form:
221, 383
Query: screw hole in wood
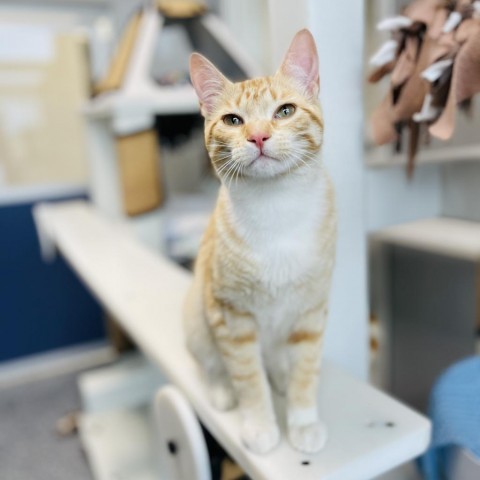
172, 447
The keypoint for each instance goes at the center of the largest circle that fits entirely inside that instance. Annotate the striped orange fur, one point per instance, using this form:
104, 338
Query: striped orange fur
256, 311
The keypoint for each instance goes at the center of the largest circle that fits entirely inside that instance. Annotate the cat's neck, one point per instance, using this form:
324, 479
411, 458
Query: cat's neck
273, 206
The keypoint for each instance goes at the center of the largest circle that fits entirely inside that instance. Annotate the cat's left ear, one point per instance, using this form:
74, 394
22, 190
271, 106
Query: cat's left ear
301, 62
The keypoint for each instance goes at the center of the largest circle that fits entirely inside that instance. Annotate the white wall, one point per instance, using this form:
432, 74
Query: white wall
37, 23
461, 191
57, 17
392, 198
284, 20
248, 21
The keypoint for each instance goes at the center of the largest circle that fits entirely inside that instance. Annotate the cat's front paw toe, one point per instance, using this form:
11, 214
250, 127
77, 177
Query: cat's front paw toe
222, 397
308, 438
260, 438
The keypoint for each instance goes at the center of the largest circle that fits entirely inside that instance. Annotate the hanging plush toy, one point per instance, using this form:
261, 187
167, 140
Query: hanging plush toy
433, 58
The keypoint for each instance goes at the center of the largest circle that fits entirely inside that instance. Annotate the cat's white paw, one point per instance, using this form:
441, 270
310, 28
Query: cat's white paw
222, 396
260, 437
308, 438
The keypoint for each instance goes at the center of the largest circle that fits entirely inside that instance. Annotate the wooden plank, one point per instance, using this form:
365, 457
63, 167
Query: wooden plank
113, 80
369, 432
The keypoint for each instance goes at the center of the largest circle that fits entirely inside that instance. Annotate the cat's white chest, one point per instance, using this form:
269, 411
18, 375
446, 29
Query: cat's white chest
284, 239
280, 225
285, 257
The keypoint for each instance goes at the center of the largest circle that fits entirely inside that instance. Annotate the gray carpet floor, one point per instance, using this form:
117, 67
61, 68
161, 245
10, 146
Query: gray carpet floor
30, 448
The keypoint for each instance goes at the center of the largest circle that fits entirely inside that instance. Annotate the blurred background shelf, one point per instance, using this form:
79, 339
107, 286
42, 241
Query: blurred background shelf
382, 157
425, 284
444, 236
150, 101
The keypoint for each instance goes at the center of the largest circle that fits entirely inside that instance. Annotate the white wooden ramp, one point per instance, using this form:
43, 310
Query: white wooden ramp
369, 432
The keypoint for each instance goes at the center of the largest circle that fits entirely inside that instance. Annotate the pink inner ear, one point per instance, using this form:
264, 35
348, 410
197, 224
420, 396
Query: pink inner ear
301, 62
207, 81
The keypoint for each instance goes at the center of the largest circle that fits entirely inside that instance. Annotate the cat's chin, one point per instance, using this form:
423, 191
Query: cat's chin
265, 158
265, 166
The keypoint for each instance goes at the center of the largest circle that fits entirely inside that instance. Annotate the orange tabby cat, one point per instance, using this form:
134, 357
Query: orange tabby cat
258, 304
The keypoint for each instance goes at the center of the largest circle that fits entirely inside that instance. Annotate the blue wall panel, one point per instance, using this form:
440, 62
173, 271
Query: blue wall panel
42, 306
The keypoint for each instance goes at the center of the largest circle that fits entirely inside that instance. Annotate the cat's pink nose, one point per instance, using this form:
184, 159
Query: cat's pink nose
259, 139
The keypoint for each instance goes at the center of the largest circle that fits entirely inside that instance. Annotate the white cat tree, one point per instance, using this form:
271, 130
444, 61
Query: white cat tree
133, 106
369, 432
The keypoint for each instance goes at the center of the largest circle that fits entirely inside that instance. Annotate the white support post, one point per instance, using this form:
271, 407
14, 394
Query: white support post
338, 29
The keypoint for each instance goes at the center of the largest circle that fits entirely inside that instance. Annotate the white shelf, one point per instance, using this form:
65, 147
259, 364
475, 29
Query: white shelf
370, 433
382, 157
444, 236
147, 101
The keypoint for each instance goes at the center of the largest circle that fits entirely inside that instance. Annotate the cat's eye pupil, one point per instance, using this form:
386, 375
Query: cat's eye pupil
231, 119
284, 111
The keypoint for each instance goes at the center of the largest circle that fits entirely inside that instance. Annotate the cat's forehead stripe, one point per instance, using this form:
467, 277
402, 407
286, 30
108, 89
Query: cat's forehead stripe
255, 89
272, 93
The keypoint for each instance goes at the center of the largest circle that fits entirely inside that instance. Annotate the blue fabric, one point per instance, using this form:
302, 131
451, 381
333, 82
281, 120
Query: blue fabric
455, 413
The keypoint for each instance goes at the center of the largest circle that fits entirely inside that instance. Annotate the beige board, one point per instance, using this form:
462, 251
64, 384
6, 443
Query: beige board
138, 159
118, 67
42, 136
181, 8
231, 471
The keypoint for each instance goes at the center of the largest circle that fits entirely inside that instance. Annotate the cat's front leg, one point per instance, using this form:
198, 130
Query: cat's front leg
236, 336
306, 432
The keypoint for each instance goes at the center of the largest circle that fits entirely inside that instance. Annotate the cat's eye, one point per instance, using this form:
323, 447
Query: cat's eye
285, 111
232, 120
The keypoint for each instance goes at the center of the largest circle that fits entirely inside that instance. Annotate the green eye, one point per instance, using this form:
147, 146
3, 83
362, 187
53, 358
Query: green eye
285, 111
232, 120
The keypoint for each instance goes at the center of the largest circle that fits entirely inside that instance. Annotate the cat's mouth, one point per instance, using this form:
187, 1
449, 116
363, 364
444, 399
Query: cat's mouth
264, 166
263, 158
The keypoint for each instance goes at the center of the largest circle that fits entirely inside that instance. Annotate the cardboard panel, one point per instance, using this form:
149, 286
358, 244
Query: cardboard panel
139, 172
118, 67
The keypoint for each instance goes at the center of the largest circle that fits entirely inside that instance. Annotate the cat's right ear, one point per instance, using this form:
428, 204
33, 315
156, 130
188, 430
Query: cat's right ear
301, 63
207, 81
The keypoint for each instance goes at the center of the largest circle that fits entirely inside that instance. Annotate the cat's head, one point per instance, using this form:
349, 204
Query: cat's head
264, 127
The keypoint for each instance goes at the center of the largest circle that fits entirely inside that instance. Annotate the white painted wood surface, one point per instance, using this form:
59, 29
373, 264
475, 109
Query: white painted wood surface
118, 444
129, 382
370, 433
